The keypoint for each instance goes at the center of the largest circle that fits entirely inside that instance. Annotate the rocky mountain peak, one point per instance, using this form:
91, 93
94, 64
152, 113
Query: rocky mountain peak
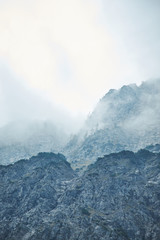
124, 119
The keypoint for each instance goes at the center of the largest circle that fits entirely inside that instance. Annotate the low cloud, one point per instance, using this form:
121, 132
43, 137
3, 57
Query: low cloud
18, 103
59, 47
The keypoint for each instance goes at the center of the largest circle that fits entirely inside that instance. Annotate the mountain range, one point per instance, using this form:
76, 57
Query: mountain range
102, 183
124, 119
117, 197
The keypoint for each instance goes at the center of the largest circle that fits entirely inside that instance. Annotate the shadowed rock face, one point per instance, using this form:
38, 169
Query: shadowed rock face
117, 197
30, 189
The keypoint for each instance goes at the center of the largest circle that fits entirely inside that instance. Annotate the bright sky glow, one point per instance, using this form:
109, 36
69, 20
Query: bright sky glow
72, 52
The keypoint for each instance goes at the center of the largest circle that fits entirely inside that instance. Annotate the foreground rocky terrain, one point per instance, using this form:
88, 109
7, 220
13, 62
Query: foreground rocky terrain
117, 197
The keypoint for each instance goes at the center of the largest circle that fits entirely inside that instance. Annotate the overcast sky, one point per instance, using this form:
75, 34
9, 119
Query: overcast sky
70, 53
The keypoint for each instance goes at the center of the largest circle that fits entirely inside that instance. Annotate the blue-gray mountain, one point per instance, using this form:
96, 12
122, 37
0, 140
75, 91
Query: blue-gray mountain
116, 198
128, 118
124, 119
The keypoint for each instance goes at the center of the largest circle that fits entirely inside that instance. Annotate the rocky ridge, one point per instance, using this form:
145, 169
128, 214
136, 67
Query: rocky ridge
124, 119
117, 197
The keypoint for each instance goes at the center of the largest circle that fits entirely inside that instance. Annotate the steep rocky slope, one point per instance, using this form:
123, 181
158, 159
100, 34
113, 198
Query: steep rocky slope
118, 197
124, 119
29, 190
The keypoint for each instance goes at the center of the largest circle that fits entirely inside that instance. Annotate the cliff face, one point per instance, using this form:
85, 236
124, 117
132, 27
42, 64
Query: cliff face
29, 190
117, 197
124, 119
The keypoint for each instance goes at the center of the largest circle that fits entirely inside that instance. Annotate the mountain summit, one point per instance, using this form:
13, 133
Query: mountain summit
124, 119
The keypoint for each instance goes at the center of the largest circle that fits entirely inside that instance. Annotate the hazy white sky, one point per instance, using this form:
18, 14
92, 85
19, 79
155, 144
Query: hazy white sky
72, 52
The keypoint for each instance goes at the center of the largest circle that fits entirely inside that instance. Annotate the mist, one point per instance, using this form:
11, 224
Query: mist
146, 116
58, 58
73, 52
135, 109
20, 104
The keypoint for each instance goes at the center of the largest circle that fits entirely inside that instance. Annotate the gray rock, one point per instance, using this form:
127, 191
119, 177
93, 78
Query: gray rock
117, 197
124, 119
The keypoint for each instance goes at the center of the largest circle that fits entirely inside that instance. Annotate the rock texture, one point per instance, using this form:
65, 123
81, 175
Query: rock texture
124, 119
117, 197
29, 190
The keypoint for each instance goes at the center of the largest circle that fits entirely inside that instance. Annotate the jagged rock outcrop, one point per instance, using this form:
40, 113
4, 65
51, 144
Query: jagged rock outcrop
124, 119
29, 190
117, 197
